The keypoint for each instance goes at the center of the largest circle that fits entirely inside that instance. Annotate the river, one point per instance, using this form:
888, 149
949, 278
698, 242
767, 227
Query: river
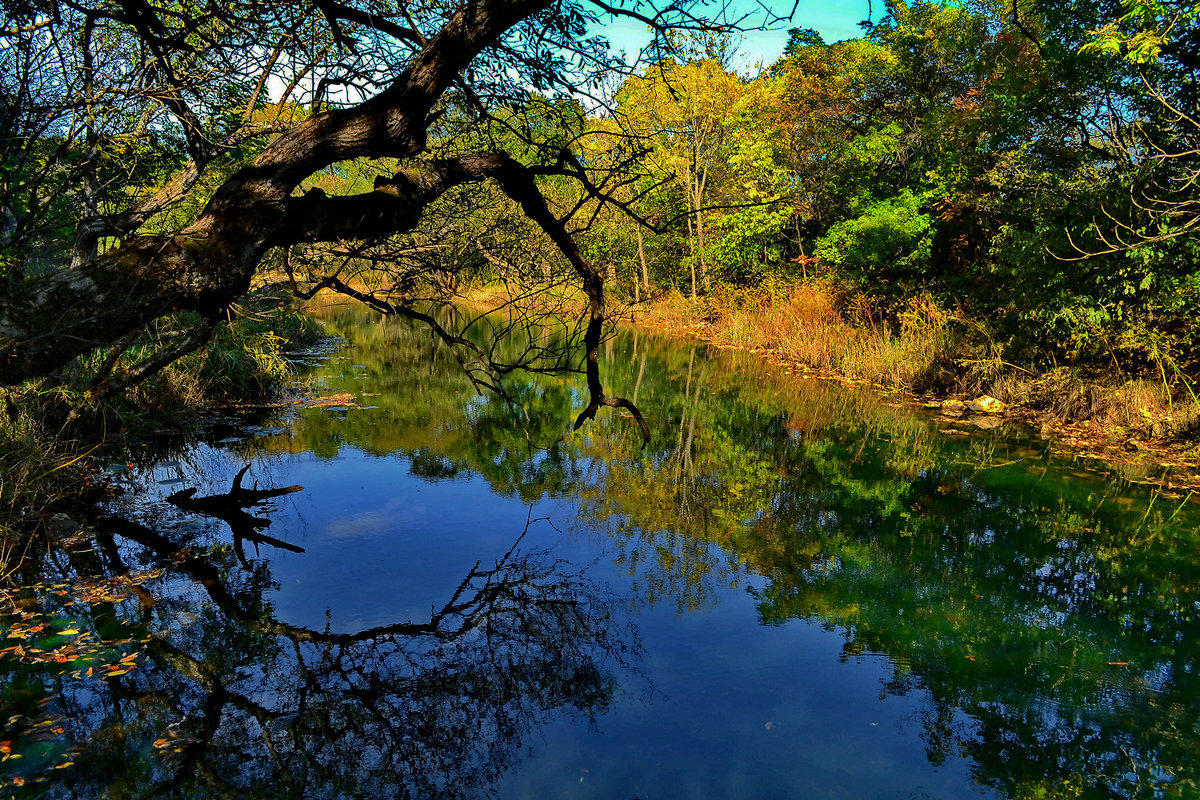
795, 590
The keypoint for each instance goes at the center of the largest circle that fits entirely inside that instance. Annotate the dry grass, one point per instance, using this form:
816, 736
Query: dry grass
38, 470
673, 311
922, 349
811, 324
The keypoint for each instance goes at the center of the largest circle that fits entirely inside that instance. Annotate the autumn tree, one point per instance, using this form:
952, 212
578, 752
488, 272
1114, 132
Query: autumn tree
684, 109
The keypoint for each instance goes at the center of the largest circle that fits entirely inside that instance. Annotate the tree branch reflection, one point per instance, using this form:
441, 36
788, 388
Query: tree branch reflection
237, 701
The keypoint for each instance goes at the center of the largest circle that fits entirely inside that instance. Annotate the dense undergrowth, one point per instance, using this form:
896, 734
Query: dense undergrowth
54, 433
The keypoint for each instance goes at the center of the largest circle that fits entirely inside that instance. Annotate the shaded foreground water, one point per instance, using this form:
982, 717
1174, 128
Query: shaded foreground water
794, 591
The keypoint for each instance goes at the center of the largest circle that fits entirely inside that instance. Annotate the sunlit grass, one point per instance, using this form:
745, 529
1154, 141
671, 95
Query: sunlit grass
811, 324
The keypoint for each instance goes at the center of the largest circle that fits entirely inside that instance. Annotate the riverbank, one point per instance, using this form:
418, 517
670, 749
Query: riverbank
928, 357
60, 439
931, 359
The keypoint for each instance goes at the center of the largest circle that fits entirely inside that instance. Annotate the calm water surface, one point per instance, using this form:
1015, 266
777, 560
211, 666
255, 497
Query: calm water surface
795, 591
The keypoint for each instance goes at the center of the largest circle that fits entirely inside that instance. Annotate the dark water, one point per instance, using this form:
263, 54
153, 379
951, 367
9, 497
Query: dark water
796, 590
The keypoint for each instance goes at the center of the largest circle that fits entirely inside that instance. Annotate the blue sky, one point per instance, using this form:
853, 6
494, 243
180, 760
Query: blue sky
833, 20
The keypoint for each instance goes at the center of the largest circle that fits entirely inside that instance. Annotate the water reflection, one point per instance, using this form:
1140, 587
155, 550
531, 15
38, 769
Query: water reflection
228, 700
1035, 623
1059, 615
230, 507
1048, 614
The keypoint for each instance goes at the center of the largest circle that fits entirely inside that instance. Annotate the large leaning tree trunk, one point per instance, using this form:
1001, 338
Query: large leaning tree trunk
207, 265
128, 268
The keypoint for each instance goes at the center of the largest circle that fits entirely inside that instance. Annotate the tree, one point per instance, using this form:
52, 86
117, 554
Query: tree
1159, 137
95, 79
685, 110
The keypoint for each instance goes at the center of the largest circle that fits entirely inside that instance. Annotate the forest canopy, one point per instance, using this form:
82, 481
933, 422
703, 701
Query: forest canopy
1027, 168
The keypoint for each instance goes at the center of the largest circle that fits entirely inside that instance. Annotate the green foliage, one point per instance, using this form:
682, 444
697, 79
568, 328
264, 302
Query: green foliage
888, 238
937, 154
747, 244
1144, 31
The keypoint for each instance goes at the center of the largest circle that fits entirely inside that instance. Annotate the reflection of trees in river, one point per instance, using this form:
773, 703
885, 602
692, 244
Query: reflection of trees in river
427, 408
1077, 670
1059, 615
228, 701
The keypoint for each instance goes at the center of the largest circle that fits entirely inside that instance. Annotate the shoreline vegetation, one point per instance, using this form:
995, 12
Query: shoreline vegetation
937, 359
56, 438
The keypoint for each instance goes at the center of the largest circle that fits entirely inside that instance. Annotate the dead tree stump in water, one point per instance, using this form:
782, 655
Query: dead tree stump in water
231, 507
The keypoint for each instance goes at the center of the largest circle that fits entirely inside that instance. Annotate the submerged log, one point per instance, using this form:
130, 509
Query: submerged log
236, 498
231, 506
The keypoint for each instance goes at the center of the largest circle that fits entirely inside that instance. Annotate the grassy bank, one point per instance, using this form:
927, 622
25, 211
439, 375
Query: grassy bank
927, 351
810, 324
